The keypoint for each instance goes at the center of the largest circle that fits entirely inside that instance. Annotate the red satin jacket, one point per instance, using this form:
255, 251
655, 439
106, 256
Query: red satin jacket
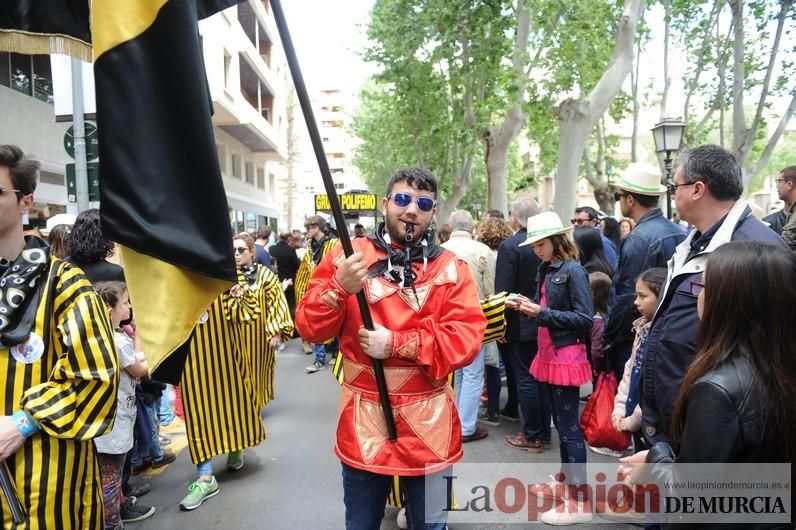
438, 331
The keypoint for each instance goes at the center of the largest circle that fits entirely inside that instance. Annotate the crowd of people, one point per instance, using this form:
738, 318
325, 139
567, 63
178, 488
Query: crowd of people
689, 321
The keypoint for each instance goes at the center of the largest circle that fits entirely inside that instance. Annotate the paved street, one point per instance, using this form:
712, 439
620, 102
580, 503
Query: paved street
292, 480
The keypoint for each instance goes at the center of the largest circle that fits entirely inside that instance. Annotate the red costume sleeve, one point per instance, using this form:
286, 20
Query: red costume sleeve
442, 345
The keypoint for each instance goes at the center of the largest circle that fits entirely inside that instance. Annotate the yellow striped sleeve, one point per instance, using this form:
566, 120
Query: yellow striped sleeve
278, 319
78, 400
303, 275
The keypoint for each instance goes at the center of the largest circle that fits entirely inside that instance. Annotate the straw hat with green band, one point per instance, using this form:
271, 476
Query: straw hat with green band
544, 225
641, 178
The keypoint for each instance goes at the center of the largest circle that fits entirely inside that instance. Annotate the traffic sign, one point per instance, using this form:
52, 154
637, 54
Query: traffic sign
92, 141
93, 182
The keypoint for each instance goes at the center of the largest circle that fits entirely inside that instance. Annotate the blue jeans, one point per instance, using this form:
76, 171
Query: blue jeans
534, 404
469, 383
204, 468
320, 353
165, 412
365, 495
566, 415
143, 447
493, 386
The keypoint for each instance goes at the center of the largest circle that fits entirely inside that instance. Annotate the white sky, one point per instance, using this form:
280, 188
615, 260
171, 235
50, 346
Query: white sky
328, 37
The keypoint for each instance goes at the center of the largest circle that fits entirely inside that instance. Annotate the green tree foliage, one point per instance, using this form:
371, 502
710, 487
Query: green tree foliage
440, 64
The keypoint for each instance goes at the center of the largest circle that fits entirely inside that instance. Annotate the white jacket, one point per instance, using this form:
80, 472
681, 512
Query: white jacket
641, 327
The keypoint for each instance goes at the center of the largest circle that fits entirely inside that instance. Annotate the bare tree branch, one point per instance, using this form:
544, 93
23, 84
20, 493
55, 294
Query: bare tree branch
714, 17
772, 143
746, 146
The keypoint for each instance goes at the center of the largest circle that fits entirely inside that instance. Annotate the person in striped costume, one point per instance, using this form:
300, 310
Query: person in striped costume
319, 242
228, 374
60, 370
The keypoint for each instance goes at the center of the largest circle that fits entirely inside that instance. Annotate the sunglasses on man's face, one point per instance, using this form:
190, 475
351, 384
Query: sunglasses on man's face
240, 250
402, 200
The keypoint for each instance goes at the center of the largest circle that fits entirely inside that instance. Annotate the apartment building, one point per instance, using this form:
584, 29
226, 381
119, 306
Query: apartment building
333, 108
247, 75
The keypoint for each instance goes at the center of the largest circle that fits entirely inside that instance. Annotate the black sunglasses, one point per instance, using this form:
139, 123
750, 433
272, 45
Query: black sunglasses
618, 196
240, 250
671, 187
3, 190
424, 204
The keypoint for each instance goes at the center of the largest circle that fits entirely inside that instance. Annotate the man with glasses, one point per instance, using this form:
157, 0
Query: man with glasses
650, 244
429, 323
588, 216
319, 243
59, 365
786, 191
706, 189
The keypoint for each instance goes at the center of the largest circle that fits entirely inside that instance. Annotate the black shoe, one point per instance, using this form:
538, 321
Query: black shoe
511, 415
168, 458
492, 418
138, 490
131, 512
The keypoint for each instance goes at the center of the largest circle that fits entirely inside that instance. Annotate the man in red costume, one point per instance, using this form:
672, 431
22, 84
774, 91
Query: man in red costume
428, 323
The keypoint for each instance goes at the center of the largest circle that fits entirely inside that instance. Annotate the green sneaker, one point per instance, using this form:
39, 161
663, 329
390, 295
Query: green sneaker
235, 461
198, 492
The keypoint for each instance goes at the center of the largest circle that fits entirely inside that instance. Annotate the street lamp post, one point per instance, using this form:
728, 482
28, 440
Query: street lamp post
477, 206
668, 136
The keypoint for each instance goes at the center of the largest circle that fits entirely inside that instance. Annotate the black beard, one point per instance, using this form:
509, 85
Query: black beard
399, 237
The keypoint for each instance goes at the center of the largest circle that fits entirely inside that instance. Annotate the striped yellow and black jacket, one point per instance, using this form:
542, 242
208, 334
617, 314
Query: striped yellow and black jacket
307, 266
228, 374
267, 308
71, 392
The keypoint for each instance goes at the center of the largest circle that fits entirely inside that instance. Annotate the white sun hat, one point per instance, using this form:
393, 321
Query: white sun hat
55, 220
641, 178
544, 225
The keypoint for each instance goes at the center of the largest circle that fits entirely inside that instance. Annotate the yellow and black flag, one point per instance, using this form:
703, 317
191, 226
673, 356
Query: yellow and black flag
46, 26
162, 197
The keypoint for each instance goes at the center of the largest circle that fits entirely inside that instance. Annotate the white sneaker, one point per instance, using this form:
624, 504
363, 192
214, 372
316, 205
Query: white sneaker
567, 513
400, 521
315, 367
607, 452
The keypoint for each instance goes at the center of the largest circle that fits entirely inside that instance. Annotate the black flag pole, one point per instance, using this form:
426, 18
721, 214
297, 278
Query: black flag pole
334, 201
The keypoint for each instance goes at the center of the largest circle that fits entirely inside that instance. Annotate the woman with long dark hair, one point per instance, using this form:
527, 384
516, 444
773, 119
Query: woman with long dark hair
737, 402
88, 248
610, 229
592, 254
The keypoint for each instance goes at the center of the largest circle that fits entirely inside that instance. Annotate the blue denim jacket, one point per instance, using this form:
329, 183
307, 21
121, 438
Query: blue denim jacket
569, 311
650, 244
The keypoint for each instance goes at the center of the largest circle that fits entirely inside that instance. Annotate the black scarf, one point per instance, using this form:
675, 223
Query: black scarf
249, 272
19, 286
316, 247
419, 252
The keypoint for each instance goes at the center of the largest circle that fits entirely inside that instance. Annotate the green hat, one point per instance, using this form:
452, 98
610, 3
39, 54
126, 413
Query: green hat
641, 178
544, 225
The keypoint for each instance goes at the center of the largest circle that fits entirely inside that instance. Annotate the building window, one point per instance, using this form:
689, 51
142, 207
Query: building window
236, 166
249, 173
251, 222
5, 69
222, 157
21, 73
261, 178
271, 183
28, 74
339, 185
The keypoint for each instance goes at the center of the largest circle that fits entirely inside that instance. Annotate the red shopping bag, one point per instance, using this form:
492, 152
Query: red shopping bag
595, 423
